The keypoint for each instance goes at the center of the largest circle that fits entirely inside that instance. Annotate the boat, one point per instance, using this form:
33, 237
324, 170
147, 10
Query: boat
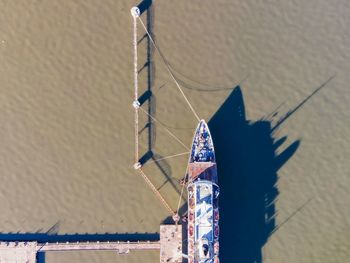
203, 199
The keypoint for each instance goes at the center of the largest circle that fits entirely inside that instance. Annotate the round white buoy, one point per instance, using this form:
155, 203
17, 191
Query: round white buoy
137, 166
135, 11
136, 104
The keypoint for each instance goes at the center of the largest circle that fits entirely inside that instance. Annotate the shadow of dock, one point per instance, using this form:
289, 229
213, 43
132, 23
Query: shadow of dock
148, 100
45, 237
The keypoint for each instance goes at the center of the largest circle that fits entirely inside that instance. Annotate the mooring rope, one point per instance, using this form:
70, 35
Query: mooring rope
171, 134
183, 186
156, 192
167, 157
136, 14
169, 70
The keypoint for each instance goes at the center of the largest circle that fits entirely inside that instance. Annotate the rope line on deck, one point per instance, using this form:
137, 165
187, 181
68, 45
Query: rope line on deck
156, 192
171, 134
169, 70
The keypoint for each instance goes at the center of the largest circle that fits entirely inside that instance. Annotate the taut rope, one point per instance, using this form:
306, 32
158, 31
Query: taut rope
169, 70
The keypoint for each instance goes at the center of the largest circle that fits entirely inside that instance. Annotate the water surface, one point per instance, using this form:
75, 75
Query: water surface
66, 121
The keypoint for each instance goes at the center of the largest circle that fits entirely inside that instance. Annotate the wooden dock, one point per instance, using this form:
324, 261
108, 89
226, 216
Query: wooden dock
170, 246
119, 247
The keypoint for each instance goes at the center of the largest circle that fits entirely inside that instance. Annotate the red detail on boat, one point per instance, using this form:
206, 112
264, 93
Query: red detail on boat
216, 247
216, 231
216, 214
190, 231
191, 201
191, 216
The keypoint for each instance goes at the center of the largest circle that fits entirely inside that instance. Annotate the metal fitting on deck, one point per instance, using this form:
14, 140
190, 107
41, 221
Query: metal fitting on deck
135, 11
176, 218
136, 104
137, 165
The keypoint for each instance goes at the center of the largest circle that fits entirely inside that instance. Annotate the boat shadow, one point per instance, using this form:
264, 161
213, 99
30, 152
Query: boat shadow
247, 161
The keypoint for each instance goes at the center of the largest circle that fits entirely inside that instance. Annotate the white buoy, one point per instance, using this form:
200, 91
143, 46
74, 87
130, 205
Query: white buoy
135, 11
137, 166
136, 104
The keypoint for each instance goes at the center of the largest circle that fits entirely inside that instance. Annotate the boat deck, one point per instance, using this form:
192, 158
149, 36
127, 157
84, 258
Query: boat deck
202, 170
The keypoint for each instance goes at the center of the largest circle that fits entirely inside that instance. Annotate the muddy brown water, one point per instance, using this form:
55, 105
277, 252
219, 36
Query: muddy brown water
271, 78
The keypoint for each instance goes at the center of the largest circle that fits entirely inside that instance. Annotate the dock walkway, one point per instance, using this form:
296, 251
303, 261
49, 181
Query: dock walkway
120, 247
169, 245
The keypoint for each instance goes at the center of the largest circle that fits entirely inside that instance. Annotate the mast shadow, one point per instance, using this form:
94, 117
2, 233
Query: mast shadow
247, 166
248, 161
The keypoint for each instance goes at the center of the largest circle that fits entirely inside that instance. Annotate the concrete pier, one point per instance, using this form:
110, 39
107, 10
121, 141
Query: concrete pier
170, 243
170, 246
